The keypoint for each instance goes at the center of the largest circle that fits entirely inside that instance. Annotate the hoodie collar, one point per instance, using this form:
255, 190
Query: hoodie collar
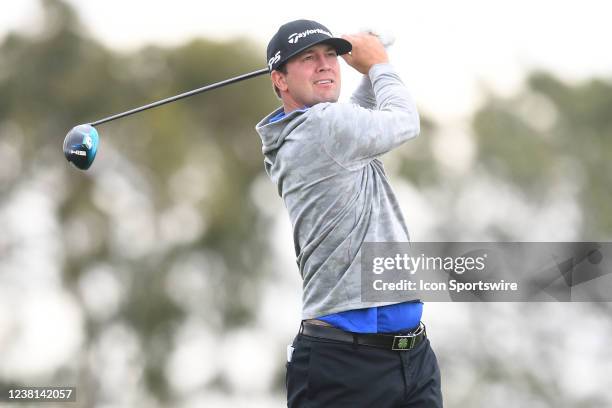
280, 114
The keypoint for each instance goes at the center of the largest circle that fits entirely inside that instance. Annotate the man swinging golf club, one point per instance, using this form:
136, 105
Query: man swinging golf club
324, 158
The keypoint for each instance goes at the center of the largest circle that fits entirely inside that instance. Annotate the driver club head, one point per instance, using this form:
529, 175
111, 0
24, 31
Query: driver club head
81, 146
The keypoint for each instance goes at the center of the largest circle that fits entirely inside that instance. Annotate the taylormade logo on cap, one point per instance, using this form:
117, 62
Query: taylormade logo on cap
295, 37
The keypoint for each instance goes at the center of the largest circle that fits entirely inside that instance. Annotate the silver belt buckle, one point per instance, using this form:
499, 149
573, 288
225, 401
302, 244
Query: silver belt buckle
406, 342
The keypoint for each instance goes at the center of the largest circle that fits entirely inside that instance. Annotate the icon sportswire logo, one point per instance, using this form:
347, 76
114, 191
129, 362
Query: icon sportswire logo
274, 59
295, 37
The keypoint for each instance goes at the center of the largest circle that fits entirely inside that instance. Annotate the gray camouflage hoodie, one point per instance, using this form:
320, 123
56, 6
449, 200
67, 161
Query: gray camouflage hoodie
324, 161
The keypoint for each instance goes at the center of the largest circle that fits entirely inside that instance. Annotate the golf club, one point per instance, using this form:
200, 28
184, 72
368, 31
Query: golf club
81, 143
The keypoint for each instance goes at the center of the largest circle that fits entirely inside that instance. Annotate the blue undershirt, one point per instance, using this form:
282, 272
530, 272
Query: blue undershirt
383, 319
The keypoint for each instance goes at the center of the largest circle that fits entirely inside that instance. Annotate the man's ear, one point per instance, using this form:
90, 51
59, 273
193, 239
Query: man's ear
279, 80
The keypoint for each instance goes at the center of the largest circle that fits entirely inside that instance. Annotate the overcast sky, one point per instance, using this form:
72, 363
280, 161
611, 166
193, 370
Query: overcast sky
445, 51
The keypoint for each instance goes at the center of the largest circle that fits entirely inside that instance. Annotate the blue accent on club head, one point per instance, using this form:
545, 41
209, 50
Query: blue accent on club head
93, 148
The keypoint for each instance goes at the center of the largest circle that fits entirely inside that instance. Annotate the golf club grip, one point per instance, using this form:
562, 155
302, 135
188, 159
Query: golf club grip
181, 96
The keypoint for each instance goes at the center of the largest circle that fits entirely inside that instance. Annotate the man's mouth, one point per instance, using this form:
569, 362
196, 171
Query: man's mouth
324, 81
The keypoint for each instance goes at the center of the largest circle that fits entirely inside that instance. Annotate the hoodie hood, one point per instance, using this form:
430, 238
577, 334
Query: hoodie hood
273, 134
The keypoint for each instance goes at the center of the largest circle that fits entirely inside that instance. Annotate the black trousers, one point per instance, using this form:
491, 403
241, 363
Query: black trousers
331, 374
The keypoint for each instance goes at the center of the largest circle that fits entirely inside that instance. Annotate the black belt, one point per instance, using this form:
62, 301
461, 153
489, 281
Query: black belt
402, 341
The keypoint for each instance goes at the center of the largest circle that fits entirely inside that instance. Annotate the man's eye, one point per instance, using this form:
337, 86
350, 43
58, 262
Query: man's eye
307, 57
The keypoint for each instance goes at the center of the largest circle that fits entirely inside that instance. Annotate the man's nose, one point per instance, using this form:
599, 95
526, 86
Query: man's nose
322, 63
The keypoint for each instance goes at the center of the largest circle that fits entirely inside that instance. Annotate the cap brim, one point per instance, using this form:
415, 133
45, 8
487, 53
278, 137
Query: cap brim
341, 45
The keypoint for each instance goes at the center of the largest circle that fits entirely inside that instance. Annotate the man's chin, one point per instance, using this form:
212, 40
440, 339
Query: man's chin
328, 98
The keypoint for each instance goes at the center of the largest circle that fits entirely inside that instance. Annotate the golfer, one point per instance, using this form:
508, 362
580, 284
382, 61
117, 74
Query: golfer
324, 157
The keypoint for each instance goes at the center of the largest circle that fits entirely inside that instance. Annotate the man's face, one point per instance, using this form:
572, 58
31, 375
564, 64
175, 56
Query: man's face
313, 76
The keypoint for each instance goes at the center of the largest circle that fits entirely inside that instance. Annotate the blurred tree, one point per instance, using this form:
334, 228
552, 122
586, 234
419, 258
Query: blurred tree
184, 167
549, 140
551, 135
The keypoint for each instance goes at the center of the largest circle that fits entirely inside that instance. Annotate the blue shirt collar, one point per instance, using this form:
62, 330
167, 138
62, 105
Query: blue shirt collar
280, 115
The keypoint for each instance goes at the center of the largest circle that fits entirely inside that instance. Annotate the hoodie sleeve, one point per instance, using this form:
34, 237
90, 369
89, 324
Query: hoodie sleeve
354, 135
364, 95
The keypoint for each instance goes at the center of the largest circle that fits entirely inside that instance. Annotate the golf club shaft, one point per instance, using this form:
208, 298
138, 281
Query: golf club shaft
181, 96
